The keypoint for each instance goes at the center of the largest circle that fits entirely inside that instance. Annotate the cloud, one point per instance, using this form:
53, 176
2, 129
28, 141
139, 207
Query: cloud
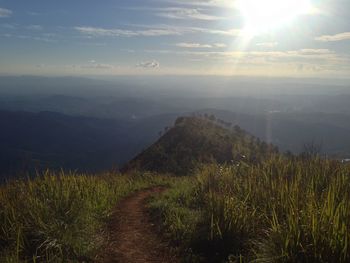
229, 32
5, 12
9, 26
43, 37
225, 4
198, 45
148, 64
193, 30
97, 66
220, 45
267, 44
333, 38
93, 64
210, 3
261, 56
193, 45
40, 66
34, 27
310, 51
185, 13
153, 31
102, 32
33, 13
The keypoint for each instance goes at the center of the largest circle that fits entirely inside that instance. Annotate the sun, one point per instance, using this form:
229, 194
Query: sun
261, 16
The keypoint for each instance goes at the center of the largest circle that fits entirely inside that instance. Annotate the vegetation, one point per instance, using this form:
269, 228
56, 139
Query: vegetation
280, 210
244, 202
59, 217
196, 140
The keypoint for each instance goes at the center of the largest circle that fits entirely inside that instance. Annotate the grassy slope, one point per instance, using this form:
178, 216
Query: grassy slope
58, 217
195, 140
277, 211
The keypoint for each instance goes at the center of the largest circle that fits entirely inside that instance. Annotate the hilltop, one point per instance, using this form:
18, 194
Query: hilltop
199, 139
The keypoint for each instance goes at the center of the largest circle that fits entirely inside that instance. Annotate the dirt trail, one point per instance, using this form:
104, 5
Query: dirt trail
133, 238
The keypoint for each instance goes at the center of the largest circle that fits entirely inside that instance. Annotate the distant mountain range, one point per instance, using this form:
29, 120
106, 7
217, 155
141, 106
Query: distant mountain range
35, 141
93, 125
42, 140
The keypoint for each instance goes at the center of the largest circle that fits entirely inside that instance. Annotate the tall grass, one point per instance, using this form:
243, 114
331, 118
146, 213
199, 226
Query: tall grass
57, 217
277, 211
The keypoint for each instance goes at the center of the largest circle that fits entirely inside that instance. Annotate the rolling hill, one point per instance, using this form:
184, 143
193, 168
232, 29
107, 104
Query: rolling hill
194, 140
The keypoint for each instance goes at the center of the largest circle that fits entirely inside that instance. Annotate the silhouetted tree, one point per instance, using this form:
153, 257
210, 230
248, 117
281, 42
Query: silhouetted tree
311, 149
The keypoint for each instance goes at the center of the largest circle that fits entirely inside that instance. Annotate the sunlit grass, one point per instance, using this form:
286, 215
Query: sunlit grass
59, 217
278, 211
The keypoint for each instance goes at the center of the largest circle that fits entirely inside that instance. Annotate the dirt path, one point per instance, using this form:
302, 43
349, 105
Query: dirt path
133, 238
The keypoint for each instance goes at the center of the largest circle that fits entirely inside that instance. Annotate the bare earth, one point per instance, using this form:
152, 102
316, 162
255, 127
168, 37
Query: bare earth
133, 238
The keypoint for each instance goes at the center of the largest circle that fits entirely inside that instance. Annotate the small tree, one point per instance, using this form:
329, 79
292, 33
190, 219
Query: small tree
311, 149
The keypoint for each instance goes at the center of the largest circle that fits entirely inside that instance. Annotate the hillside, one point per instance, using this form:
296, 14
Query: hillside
194, 140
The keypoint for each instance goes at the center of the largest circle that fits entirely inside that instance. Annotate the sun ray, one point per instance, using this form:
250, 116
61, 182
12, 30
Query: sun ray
264, 16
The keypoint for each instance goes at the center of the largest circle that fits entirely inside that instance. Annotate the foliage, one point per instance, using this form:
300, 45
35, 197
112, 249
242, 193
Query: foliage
279, 210
196, 140
57, 217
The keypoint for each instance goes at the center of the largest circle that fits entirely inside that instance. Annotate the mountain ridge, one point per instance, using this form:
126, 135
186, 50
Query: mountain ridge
199, 139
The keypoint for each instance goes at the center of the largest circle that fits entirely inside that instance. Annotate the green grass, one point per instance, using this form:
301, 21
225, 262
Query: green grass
277, 211
58, 217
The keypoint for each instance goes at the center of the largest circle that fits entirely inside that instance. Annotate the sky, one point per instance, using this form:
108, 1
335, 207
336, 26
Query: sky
299, 38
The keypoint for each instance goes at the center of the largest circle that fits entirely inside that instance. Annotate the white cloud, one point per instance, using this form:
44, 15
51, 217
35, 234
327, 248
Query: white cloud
193, 45
267, 44
153, 31
5, 12
93, 64
34, 27
185, 13
271, 56
333, 38
229, 32
33, 13
232, 4
261, 62
211, 3
97, 66
102, 32
310, 51
192, 30
198, 45
220, 45
42, 37
148, 64
9, 26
